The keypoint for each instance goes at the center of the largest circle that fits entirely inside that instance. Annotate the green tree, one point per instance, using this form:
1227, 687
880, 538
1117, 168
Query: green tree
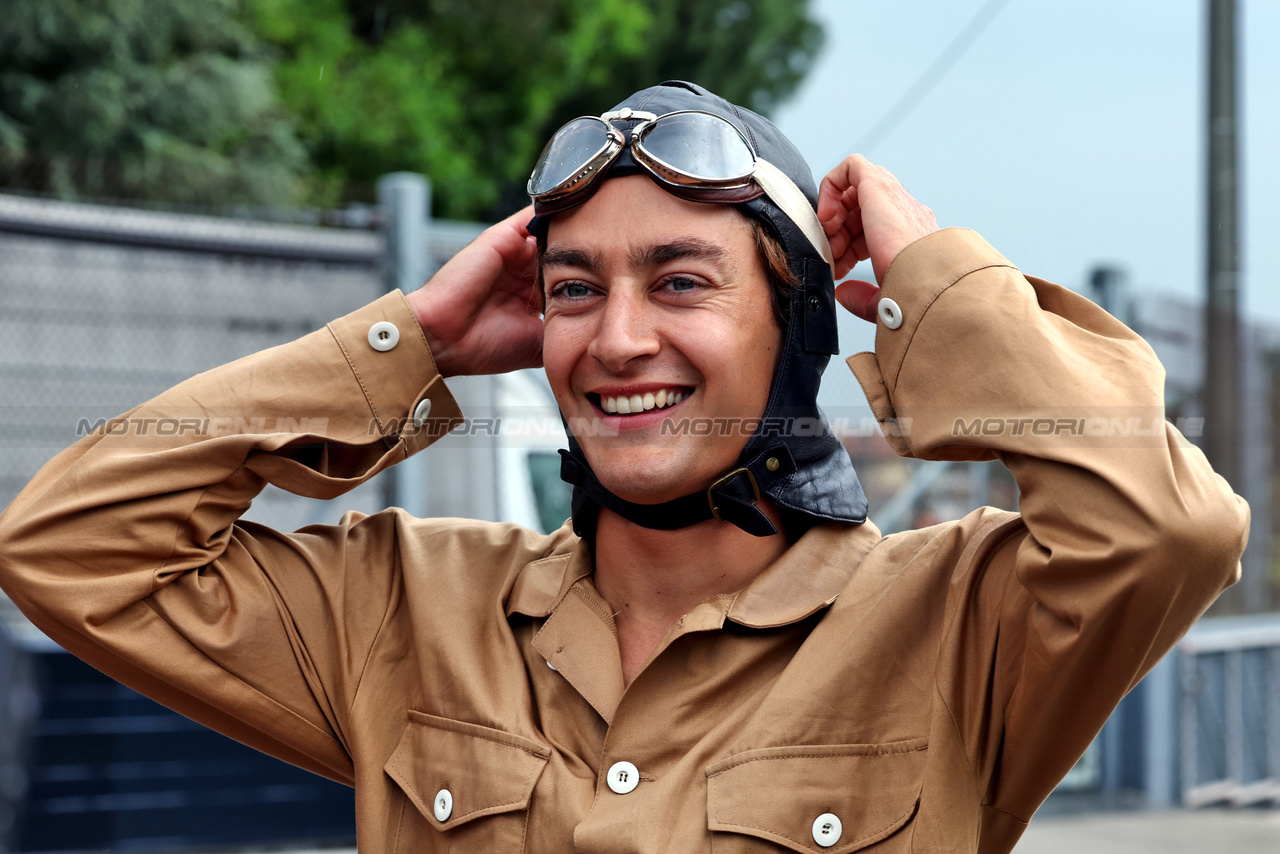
277, 101
466, 91
156, 99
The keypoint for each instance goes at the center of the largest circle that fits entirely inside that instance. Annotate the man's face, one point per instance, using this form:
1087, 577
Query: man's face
658, 320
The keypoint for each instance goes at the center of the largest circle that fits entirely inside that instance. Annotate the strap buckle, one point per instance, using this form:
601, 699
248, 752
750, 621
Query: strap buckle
751, 478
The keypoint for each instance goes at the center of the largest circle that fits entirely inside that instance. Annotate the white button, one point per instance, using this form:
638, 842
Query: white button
552, 666
623, 777
827, 830
421, 411
890, 314
444, 805
383, 336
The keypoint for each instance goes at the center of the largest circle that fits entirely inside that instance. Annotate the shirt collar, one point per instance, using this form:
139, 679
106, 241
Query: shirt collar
806, 578
542, 583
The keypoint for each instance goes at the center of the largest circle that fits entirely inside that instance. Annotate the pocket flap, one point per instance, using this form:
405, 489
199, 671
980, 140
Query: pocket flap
486, 771
777, 793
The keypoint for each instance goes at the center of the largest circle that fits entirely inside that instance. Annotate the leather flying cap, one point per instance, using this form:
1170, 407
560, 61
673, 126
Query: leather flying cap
793, 458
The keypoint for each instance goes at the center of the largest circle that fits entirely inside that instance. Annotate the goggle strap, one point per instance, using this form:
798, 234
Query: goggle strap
787, 196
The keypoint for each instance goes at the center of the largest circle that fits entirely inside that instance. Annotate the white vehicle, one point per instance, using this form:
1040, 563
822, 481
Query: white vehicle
502, 464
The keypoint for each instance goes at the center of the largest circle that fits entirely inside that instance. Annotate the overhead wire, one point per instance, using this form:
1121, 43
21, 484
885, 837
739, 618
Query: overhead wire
931, 76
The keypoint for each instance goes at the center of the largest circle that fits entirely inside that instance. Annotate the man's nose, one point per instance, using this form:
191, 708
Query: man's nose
628, 329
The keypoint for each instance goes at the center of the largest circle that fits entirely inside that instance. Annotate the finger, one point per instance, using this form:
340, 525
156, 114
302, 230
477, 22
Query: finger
859, 297
520, 219
840, 242
520, 259
849, 246
845, 176
830, 209
860, 249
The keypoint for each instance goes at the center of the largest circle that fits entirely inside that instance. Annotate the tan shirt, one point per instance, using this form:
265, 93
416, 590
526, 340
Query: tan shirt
921, 692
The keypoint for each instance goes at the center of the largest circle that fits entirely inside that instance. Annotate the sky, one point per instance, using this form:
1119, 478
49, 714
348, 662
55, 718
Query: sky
1069, 134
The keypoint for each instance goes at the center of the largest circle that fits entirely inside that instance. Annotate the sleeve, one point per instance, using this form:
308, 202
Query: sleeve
1126, 534
125, 548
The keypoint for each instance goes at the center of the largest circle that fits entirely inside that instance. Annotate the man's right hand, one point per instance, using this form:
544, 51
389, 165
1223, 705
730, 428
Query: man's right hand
480, 311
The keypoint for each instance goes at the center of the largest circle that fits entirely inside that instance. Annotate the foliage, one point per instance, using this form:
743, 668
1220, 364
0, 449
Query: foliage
155, 99
466, 91
279, 101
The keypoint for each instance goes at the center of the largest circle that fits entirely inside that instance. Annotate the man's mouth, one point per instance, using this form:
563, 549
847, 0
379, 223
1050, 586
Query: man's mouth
634, 404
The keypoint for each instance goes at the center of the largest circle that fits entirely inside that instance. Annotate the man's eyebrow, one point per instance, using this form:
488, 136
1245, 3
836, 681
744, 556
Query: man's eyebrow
690, 247
570, 257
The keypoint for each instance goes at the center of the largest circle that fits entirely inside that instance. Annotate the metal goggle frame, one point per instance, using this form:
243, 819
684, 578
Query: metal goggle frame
693, 154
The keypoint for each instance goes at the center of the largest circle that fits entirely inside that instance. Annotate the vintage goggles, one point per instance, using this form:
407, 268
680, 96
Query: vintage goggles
693, 154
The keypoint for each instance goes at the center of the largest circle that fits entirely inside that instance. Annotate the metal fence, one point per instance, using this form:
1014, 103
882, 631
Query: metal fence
102, 308
1229, 735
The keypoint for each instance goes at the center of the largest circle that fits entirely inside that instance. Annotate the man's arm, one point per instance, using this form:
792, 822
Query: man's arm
1126, 534
127, 549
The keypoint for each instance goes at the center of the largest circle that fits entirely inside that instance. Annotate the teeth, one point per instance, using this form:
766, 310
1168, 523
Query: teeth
626, 405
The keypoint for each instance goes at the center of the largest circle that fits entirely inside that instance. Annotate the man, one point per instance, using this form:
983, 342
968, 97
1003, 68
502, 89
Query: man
722, 654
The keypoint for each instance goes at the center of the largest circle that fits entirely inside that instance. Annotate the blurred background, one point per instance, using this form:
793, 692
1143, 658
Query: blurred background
185, 183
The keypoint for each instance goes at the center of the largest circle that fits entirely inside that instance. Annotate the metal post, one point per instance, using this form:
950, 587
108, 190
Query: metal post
1273, 721
1160, 734
1233, 714
1188, 749
1110, 286
405, 200
1222, 356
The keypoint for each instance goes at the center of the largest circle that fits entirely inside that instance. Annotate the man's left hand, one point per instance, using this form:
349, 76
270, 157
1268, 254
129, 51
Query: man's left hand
867, 214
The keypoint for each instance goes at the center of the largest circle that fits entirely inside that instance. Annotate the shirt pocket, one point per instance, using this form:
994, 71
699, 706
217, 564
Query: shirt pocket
781, 798
468, 786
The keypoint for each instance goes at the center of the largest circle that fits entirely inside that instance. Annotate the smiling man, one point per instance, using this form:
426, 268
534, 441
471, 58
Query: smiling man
717, 652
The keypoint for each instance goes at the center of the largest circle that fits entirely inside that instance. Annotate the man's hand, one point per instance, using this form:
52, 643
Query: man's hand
480, 311
867, 214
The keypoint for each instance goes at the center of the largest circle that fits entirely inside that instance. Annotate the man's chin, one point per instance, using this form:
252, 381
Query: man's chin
645, 486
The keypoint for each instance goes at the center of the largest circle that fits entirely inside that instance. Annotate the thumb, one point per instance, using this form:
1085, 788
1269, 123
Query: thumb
859, 297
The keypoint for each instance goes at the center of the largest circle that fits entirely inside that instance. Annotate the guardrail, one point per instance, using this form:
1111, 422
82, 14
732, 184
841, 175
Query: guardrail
1229, 706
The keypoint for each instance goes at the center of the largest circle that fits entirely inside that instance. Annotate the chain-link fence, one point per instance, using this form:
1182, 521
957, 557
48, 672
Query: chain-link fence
102, 308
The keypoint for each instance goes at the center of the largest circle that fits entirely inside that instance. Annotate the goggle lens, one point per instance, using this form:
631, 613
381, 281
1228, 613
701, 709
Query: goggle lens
699, 155
573, 149
698, 149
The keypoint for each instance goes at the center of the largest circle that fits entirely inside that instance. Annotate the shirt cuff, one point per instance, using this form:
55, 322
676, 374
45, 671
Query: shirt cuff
389, 356
915, 279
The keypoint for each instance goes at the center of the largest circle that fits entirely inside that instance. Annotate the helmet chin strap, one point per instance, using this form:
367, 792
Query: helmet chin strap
734, 497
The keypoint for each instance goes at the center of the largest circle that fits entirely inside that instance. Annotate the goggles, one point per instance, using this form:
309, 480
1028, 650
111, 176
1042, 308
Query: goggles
693, 154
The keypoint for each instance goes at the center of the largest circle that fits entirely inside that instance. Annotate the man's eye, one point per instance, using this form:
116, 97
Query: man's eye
572, 290
682, 284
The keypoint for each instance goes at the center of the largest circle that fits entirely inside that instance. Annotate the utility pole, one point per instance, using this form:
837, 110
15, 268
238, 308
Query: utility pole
405, 200
1222, 323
